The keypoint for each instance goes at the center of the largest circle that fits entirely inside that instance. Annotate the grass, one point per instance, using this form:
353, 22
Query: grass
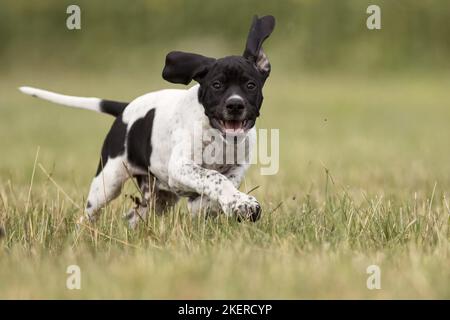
364, 179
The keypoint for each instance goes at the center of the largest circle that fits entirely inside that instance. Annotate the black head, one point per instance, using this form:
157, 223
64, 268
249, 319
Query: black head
230, 87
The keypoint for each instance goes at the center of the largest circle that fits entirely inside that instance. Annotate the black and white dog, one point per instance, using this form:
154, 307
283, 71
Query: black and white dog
151, 138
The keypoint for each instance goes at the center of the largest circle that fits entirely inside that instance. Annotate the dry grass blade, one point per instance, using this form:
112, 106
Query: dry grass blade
111, 238
32, 180
59, 187
253, 189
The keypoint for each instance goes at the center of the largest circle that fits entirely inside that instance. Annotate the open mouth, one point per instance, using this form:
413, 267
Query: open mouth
233, 126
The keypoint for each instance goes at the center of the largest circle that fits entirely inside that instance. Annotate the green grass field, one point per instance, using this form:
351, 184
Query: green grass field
364, 179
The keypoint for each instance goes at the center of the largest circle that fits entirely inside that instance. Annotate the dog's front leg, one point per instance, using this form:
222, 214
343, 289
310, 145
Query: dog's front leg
202, 204
187, 176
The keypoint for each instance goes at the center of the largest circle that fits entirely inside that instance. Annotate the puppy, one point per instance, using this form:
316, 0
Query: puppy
152, 138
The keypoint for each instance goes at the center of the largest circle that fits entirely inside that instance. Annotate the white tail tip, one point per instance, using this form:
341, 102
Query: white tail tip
71, 101
27, 90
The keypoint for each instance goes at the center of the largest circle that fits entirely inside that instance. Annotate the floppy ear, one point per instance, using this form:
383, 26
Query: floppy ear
259, 31
183, 67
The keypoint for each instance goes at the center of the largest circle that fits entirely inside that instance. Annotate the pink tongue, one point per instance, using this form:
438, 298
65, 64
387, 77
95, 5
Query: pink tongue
234, 125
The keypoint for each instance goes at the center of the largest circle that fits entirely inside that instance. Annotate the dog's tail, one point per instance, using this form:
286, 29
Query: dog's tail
113, 108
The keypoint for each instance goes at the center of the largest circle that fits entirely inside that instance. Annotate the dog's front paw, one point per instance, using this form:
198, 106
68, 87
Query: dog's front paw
243, 207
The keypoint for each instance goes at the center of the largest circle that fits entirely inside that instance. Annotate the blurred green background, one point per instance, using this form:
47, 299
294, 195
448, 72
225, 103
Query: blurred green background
321, 35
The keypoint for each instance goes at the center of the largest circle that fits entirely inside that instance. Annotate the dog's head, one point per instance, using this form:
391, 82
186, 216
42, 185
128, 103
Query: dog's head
231, 87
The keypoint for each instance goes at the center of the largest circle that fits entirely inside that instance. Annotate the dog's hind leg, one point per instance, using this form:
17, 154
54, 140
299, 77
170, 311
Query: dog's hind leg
105, 187
160, 200
140, 210
203, 205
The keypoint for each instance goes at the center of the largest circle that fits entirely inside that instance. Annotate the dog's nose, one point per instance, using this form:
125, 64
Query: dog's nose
235, 105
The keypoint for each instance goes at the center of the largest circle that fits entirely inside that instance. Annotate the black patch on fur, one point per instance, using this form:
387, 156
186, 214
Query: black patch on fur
183, 67
114, 144
139, 146
88, 205
114, 108
259, 31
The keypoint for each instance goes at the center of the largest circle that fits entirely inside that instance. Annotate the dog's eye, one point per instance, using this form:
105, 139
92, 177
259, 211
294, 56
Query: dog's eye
217, 85
251, 85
